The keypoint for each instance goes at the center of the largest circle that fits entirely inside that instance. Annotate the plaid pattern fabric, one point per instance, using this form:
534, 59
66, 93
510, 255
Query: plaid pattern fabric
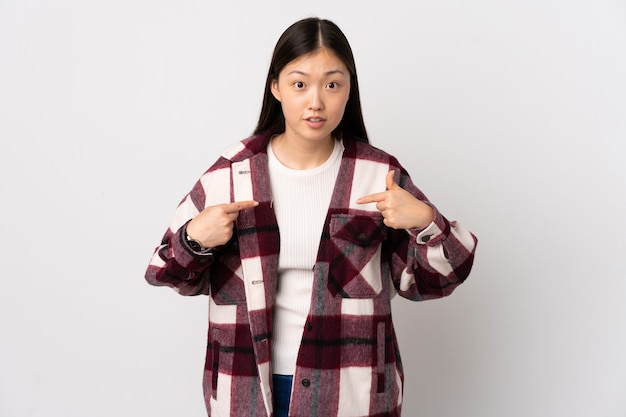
349, 363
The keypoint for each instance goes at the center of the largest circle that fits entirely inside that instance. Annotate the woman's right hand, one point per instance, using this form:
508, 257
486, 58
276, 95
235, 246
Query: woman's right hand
213, 226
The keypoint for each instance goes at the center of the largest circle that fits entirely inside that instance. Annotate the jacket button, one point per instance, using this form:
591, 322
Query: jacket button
362, 237
426, 238
306, 383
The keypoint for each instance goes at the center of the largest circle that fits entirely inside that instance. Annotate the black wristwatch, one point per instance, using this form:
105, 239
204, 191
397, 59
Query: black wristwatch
193, 244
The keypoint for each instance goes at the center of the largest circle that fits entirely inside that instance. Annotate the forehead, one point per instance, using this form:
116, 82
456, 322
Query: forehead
320, 61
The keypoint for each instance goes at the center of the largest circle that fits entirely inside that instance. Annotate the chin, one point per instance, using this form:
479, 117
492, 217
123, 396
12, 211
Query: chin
318, 135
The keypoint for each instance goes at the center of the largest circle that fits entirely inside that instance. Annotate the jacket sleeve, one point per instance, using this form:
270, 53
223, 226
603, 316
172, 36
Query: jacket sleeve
431, 262
174, 263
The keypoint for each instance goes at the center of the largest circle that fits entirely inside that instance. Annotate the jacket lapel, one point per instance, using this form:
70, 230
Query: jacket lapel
258, 236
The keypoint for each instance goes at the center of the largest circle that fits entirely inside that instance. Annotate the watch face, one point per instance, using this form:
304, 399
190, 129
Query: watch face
195, 245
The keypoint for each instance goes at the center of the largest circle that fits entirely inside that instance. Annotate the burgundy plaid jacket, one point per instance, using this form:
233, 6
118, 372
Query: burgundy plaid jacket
348, 363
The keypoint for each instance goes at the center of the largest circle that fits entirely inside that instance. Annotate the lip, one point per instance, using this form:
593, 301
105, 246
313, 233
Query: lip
315, 122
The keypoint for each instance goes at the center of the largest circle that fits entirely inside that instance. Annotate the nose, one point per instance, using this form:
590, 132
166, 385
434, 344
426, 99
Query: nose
315, 100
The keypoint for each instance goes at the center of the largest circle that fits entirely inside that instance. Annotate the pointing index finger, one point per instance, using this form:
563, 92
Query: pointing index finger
372, 198
237, 206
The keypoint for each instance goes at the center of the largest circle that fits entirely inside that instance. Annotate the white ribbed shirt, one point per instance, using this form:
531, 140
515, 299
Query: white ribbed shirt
301, 199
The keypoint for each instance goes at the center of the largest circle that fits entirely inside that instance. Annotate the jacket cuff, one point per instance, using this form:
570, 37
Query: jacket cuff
186, 256
434, 233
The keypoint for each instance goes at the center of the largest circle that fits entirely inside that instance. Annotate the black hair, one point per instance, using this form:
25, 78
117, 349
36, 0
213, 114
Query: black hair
301, 38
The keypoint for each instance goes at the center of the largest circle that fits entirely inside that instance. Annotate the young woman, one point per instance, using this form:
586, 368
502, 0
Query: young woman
301, 235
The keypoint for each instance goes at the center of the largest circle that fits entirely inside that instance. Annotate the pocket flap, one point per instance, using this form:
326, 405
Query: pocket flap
361, 230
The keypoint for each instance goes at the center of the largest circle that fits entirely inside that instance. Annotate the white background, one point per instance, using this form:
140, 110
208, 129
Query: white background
511, 117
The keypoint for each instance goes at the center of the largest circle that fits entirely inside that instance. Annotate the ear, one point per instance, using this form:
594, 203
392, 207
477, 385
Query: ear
275, 91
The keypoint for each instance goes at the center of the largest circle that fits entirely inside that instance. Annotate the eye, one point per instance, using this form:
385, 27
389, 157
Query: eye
332, 85
298, 84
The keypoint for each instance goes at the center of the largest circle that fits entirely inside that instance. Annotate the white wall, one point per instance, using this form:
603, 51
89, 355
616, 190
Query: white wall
511, 116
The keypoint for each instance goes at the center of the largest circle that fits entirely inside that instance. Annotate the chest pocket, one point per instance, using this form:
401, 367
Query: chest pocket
355, 255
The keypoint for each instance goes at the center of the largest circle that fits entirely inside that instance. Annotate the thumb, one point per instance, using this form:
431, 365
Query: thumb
391, 184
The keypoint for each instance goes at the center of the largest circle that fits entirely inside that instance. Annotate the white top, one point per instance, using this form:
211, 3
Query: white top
301, 199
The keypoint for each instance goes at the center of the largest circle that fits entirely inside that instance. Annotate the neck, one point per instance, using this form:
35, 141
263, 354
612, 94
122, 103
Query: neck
302, 154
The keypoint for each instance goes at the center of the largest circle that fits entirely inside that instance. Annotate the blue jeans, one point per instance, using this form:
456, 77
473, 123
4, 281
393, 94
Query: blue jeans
282, 394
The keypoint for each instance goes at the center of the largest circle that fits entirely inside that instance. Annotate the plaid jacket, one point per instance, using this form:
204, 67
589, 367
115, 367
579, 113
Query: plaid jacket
348, 363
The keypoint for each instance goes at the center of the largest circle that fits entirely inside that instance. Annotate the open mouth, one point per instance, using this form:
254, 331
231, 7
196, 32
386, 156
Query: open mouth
315, 122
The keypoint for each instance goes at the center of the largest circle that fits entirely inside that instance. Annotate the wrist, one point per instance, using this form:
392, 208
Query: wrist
426, 216
195, 245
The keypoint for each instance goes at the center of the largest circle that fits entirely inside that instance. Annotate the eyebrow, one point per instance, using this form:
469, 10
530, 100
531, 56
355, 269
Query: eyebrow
332, 72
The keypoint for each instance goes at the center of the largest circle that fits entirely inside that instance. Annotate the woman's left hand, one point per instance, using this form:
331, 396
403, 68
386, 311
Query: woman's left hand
399, 208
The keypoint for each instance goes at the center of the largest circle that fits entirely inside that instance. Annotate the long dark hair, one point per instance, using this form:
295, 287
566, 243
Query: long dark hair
302, 38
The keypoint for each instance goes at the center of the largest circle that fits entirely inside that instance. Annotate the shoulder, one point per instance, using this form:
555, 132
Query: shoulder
246, 148
367, 152
237, 152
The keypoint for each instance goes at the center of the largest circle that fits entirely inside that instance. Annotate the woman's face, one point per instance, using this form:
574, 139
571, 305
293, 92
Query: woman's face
313, 91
